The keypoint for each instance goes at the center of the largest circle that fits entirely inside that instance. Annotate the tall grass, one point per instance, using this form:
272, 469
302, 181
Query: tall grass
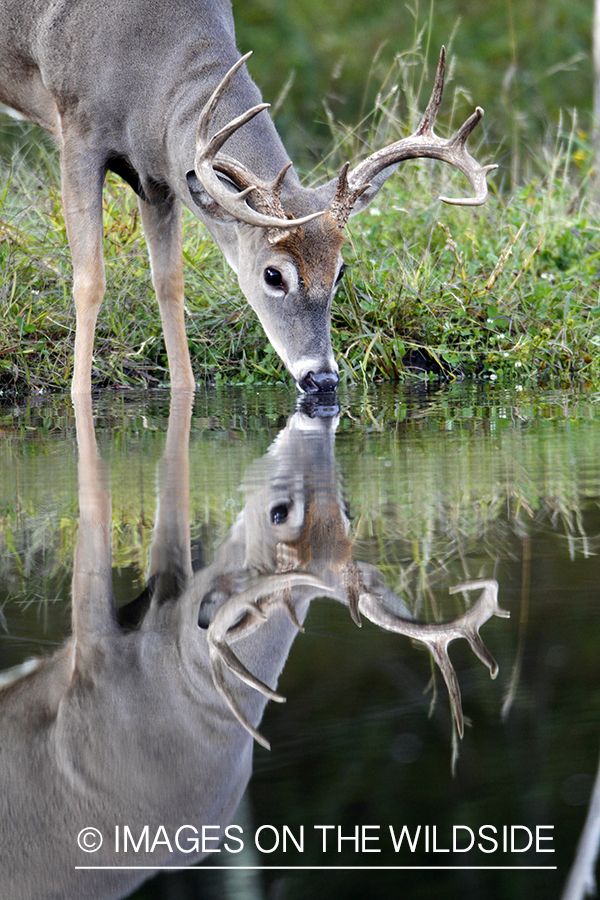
509, 291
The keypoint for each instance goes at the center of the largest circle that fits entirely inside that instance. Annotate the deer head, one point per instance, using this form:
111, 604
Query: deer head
286, 243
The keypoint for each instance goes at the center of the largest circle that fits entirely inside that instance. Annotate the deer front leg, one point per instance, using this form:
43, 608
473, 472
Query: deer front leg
162, 228
170, 565
93, 611
82, 203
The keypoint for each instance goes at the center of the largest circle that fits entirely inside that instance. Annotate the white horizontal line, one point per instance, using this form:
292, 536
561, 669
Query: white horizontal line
319, 868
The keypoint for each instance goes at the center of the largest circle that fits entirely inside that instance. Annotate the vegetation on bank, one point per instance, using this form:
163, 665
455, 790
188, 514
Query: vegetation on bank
509, 291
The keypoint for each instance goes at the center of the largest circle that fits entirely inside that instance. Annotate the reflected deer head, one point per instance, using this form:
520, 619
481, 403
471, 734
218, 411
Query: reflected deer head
295, 524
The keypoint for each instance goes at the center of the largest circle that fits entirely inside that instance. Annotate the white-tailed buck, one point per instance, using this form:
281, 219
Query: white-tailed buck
145, 717
157, 93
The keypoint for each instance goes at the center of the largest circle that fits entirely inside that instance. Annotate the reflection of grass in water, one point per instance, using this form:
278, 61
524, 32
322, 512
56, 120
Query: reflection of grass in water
38, 485
448, 494
439, 492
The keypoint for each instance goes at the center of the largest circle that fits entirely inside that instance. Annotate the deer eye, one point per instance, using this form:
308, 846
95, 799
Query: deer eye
280, 513
340, 274
273, 277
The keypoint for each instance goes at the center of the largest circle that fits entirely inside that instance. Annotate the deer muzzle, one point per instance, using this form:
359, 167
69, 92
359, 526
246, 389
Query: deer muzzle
324, 382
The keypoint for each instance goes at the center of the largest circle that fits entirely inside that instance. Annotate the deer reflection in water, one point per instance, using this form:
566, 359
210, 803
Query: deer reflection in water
147, 714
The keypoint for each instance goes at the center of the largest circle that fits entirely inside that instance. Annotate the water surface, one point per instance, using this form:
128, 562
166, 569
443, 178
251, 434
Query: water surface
413, 492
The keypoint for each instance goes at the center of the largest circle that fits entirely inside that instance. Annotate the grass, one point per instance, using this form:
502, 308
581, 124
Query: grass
508, 292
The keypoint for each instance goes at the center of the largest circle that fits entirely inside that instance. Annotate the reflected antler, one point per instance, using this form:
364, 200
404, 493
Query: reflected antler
423, 143
438, 636
242, 614
248, 610
269, 212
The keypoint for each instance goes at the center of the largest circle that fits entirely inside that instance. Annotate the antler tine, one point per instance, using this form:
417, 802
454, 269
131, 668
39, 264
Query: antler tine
268, 195
276, 185
424, 143
476, 173
345, 196
213, 101
216, 667
461, 136
215, 143
435, 101
439, 650
222, 651
205, 163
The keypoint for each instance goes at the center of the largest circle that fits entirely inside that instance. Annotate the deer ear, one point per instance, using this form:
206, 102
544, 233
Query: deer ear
205, 202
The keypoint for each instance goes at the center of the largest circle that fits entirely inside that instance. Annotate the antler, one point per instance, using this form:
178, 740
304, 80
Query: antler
269, 212
242, 614
423, 143
438, 636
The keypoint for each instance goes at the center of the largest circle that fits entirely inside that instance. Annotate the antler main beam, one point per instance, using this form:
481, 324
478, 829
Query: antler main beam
422, 143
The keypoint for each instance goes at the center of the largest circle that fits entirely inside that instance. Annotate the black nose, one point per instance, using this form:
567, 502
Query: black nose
319, 382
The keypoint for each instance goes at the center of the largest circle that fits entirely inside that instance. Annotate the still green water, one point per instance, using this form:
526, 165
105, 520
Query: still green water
434, 489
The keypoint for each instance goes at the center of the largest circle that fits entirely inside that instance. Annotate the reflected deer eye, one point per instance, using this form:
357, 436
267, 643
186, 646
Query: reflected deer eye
273, 277
280, 513
340, 274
